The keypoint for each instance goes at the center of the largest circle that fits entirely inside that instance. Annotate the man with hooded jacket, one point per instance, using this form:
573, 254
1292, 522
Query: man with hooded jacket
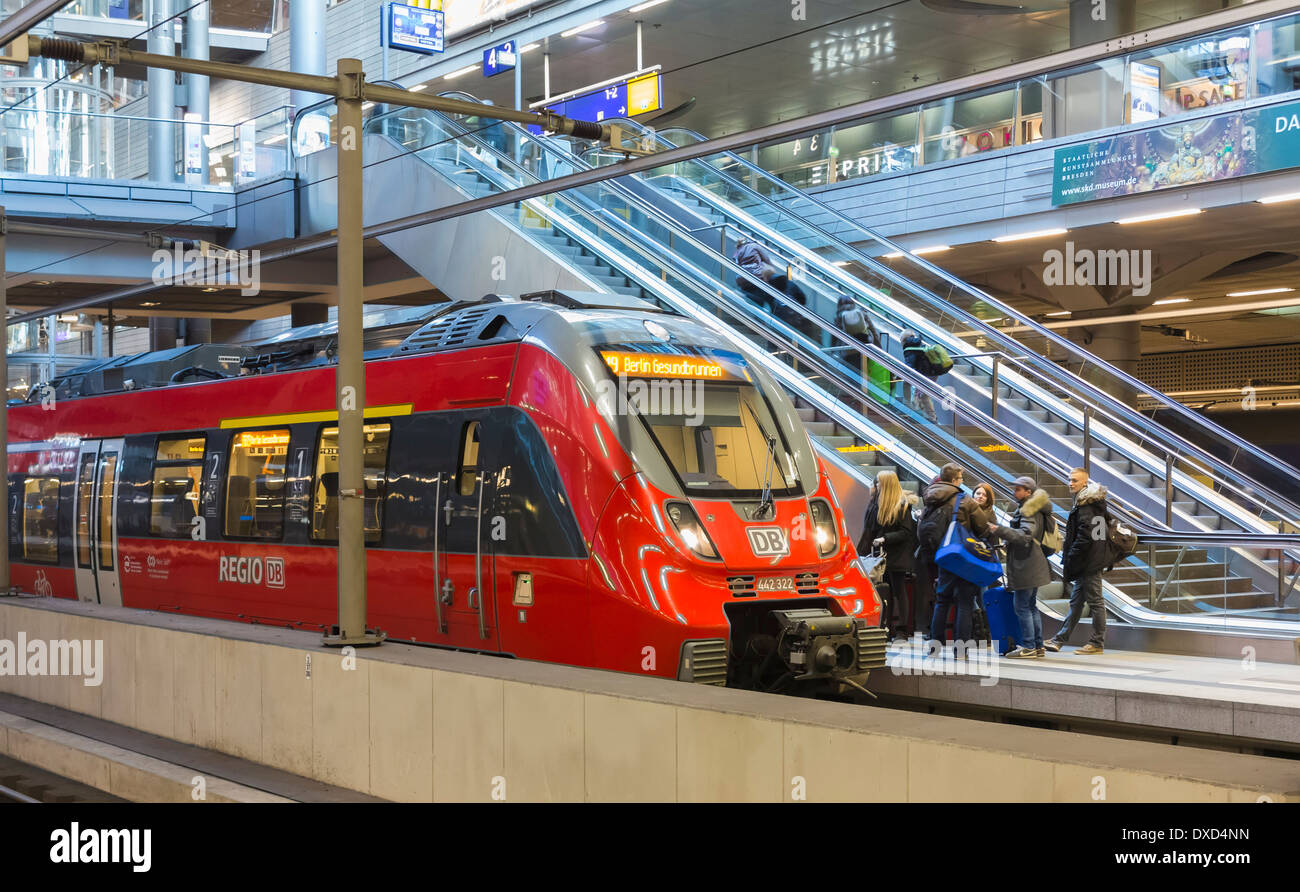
936, 515
1084, 555
1027, 569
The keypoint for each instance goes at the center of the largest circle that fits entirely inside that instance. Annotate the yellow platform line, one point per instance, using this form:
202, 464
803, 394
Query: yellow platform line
307, 417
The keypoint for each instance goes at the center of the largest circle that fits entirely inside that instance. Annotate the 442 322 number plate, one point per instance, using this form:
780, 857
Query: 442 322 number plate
774, 584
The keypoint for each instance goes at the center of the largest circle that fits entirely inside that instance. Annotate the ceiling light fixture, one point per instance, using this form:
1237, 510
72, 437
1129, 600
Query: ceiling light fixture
529, 48
1276, 199
1171, 300
1165, 215
1259, 292
1023, 236
1061, 313
644, 6
455, 74
587, 27
419, 87
930, 249
148, 303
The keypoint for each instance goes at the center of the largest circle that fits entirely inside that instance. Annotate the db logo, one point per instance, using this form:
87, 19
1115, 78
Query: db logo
275, 572
768, 541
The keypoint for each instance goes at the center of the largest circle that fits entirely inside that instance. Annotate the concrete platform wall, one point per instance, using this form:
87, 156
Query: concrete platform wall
409, 723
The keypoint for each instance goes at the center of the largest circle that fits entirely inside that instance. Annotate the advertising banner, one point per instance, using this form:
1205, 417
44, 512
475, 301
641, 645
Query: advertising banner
1205, 150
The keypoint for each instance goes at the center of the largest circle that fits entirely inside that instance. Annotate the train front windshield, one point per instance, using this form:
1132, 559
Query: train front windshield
710, 420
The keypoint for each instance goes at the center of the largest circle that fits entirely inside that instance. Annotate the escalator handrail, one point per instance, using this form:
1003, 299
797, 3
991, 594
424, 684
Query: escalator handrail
1084, 356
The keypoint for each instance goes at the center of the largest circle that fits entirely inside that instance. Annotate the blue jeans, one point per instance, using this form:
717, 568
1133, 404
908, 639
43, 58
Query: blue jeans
1086, 589
1031, 621
953, 589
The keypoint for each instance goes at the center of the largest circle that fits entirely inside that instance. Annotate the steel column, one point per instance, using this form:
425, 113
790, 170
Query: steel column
350, 373
162, 95
306, 46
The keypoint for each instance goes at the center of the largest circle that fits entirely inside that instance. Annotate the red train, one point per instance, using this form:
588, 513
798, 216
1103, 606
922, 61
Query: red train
628, 493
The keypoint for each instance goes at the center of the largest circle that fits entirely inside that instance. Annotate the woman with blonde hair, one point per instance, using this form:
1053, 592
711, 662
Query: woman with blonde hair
889, 525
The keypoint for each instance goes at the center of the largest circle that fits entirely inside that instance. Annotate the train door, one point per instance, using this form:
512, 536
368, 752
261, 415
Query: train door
95, 532
463, 576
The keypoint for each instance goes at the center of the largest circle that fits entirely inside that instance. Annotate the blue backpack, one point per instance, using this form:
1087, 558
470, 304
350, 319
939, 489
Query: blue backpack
963, 555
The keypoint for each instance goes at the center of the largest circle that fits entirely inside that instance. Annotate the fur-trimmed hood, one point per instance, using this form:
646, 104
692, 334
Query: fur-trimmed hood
1039, 501
1092, 492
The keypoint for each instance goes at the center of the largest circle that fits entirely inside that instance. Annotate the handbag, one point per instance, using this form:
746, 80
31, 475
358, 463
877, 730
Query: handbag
873, 566
1052, 539
965, 556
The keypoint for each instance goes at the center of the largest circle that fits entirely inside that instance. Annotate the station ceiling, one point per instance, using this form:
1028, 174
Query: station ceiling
747, 64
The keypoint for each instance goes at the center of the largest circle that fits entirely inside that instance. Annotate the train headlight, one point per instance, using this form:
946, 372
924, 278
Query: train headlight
828, 541
688, 526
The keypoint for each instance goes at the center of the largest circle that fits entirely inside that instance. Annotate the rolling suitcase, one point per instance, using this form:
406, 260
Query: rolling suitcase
1004, 625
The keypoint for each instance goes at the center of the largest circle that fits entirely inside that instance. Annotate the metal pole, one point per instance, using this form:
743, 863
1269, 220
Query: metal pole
639, 57
1151, 575
51, 341
993, 409
1169, 489
350, 373
519, 78
1087, 439
546, 75
384, 37
4, 416
306, 48
197, 46
162, 95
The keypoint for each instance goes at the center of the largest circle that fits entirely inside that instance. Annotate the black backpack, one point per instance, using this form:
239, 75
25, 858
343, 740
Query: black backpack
934, 523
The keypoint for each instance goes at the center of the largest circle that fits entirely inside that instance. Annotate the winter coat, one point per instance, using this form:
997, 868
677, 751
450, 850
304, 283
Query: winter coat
1084, 551
899, 536
970, 514
844, 305
1026, 565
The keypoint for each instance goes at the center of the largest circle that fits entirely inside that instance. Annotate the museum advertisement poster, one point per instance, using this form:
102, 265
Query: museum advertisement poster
1255, 140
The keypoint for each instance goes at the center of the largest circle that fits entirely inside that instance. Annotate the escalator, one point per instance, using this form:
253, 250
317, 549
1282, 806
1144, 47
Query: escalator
629, 245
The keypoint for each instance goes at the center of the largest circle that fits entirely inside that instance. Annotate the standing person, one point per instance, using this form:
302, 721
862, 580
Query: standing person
1027, 567
952, 589
853, 320
1084, 555
889, 524
936, 516
914, 356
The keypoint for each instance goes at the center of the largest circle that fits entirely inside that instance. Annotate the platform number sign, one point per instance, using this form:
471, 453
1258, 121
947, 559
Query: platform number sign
768, 541
212, 484
499, 59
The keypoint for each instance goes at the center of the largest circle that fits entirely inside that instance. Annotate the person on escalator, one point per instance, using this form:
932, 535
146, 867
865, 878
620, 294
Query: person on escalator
751, 258
1085, 554
914, 354
889, 526
1027, 569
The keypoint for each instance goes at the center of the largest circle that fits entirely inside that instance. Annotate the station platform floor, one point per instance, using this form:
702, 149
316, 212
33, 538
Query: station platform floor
1244, 700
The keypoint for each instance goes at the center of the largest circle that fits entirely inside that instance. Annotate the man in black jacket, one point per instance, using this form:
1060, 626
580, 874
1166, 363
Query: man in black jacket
1084, 556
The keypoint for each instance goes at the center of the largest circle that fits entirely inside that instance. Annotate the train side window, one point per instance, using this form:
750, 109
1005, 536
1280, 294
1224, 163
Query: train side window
85, 493
41, 519
177, 475
325, 493
255, 484
468, 458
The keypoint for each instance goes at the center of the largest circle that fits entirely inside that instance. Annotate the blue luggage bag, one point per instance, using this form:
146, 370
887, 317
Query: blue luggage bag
1004, 625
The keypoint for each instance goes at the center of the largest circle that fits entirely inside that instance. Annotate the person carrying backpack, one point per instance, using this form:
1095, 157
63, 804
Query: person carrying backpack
1084, 556
1027, 569
936, 515
751, 257
932, 361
